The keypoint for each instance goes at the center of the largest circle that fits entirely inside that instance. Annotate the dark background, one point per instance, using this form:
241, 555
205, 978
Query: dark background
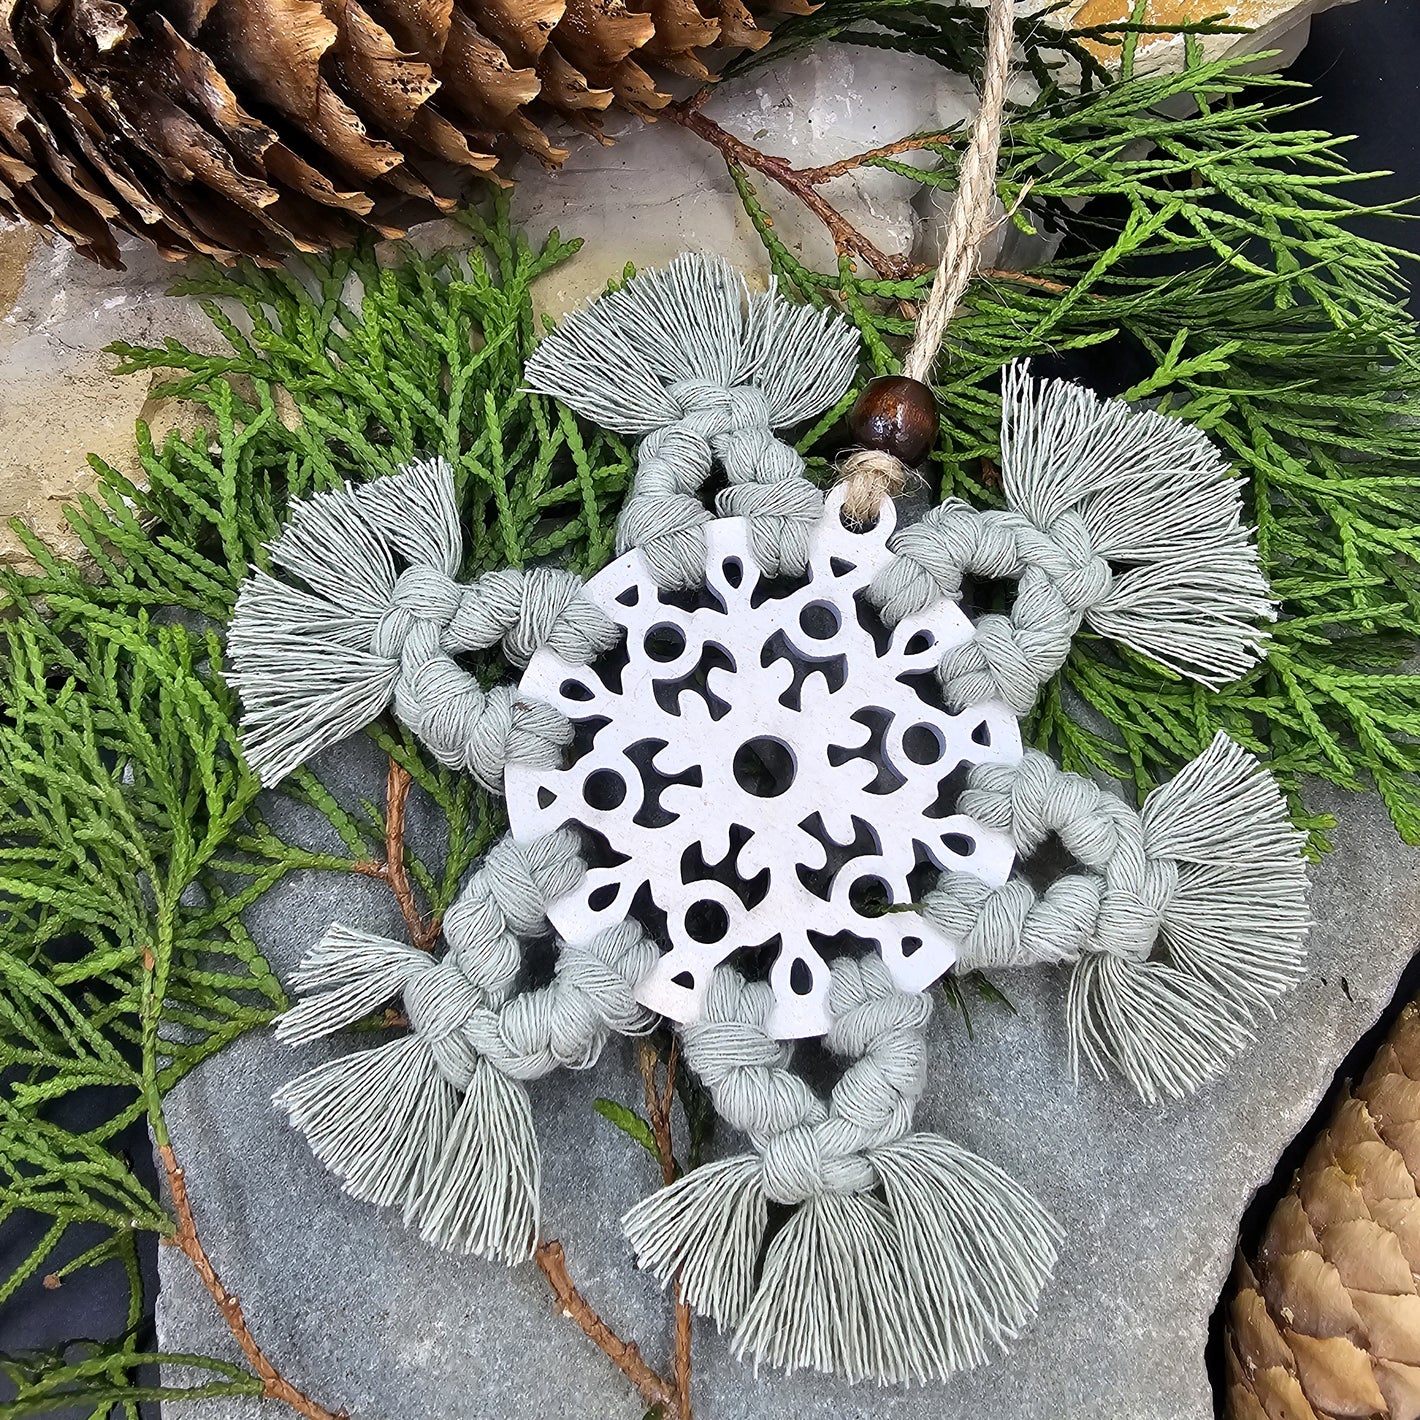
1364, 63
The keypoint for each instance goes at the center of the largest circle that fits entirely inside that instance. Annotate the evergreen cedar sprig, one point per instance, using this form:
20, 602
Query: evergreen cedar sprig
131, 837
1216, 261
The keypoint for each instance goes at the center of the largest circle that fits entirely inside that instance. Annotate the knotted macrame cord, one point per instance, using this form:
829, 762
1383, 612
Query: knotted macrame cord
924, 1255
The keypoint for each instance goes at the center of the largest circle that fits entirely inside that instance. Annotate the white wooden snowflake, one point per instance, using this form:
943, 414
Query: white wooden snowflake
763, 765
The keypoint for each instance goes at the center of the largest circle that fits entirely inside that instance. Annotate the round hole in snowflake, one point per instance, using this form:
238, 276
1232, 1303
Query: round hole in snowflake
923, 744
764, 767
820, 621
768, 763
664, 642
604, 789
707, 922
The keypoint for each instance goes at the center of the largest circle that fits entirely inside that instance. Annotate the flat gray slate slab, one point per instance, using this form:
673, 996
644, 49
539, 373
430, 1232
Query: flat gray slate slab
364, 1316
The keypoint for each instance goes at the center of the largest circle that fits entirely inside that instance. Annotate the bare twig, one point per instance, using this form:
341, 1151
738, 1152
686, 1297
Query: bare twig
802, 182
652, 1387
847, 239
659, 1099
396, 801
1022, 278
394, 870
275, 1386
817, 176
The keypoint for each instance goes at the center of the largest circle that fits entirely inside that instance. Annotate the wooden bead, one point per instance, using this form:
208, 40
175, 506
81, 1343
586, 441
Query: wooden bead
896, 415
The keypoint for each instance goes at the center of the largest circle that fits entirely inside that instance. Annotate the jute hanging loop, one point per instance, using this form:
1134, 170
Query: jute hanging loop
875, 473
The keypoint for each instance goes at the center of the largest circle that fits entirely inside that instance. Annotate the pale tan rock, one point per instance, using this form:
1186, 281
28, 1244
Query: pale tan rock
1280, 25
59, 398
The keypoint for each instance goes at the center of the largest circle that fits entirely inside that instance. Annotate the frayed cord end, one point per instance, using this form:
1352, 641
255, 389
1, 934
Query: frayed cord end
926, 1280
1231, 933
302, 652
618, 360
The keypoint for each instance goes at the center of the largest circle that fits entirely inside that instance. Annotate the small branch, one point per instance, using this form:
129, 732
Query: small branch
394, 870
423, 934
658, 1111
844, 166
653, 1388
1022, 278
274, 1385
683, 1340
658, 1107
802, 182
847, 239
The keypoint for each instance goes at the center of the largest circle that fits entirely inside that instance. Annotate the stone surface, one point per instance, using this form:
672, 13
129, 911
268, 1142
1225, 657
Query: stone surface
356, 1309
59, 398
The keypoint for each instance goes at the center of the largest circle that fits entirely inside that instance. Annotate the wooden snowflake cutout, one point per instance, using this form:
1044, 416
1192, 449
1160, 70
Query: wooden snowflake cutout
763, 765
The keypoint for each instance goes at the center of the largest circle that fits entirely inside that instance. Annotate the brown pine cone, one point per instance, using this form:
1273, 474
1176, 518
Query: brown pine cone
1325, 1321
251, 127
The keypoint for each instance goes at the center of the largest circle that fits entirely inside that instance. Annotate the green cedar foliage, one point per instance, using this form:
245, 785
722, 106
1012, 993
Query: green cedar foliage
132, 837
1218, 243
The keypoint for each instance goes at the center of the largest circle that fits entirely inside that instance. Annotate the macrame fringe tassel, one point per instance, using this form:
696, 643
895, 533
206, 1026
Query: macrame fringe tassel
617, 362
345, 977
376, 1119
301, 657
707, 1230
832, 1297
483, 1190
977, 1249
1156, 497
392, 1127
1232, 931
1238, 918
905, 1288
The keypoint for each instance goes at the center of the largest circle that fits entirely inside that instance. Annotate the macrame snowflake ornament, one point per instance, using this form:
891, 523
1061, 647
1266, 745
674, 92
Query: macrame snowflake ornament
766, 768
766, 733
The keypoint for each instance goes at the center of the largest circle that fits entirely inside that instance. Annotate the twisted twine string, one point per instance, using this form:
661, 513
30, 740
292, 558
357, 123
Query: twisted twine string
664, 514
389, 1122
687, 358
871, 475
321, 653
906, 1256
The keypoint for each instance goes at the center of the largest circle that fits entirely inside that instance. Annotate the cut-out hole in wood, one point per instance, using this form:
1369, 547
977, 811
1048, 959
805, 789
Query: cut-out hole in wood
768, 763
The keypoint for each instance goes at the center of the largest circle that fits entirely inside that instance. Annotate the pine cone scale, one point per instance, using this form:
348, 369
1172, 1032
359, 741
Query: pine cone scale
230, 127
1325, 1323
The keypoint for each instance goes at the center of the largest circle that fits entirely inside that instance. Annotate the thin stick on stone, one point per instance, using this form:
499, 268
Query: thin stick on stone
653, 1388
275, 1386
658, 1110
394, 870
